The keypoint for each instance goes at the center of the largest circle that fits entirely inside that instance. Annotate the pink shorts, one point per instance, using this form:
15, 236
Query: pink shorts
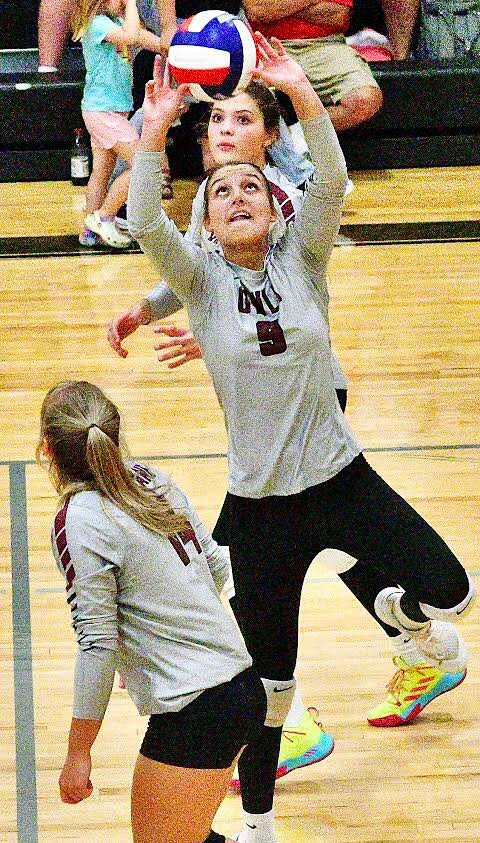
107, 128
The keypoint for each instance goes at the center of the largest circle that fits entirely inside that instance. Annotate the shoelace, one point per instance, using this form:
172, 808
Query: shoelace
396, 683
314, 714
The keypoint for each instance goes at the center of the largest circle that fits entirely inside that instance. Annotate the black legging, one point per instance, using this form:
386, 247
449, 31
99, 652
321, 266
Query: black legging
364, 582
274, 539
272, 543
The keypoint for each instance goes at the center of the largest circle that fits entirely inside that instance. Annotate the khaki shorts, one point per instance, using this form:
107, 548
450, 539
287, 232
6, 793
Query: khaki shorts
333, 68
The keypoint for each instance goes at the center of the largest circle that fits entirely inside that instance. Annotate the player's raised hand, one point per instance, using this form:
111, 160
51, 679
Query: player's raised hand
162, 104
278, 69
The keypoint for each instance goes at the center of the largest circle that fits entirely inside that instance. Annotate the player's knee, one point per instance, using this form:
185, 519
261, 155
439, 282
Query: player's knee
280, 694
459, 606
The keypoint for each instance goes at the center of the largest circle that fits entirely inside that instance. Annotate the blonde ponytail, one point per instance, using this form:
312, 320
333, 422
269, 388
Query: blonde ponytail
80, 434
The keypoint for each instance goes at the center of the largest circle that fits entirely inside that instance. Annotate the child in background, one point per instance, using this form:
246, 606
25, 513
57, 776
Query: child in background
107, 29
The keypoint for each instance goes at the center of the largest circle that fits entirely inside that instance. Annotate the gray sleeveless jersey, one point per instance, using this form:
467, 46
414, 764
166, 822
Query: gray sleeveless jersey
264, 335
144, 605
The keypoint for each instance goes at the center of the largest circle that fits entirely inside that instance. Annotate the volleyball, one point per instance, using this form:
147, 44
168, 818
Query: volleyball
213, 52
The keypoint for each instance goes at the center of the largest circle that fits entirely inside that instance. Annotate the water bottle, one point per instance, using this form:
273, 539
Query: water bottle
80, 160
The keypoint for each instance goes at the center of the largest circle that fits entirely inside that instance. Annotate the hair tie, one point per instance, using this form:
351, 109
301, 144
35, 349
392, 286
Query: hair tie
93, 424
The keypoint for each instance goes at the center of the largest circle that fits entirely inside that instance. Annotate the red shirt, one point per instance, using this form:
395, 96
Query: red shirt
295, 27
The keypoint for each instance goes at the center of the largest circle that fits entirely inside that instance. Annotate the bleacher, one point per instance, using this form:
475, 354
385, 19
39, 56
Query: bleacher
430, 116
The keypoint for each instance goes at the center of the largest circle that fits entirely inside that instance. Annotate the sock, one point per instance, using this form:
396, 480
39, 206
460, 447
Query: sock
297, 710
406, 647
258, 828
46, 68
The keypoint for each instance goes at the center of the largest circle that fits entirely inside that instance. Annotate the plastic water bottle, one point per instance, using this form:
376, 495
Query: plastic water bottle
80, 160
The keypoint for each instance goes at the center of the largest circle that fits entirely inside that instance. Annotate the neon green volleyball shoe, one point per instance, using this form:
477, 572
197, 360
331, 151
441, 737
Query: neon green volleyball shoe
410, 690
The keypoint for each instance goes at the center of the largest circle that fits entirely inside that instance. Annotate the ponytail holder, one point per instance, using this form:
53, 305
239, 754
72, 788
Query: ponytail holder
93, 424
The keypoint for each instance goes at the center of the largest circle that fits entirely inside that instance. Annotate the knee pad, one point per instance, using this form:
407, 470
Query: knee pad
450, 614
280, 694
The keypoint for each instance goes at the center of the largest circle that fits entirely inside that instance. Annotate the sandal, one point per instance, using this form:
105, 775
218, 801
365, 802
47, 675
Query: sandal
107, 231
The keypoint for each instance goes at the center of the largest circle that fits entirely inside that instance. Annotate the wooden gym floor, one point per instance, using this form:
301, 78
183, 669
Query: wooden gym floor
406, 325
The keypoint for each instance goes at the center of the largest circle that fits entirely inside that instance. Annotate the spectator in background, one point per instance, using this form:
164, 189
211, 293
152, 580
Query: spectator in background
54, 28
54, 20
400, 19
159, 16
314, 35
108, 29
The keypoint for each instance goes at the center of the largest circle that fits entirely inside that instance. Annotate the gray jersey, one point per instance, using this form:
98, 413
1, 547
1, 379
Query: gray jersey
264, 334
163, 302
145, 605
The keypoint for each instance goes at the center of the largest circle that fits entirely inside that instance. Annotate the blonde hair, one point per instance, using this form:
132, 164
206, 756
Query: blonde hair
82, 14
81, 429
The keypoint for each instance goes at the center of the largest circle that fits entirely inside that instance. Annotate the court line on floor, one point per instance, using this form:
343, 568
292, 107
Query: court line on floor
27, 810
27, 816
472, 446
358, 234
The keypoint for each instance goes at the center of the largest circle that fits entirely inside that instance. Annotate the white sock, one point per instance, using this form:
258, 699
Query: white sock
258, 828
406, 647
46, 68
297, 709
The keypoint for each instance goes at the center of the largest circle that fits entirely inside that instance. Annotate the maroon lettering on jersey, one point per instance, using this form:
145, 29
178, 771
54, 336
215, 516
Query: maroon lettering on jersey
60, 532
142, 474
271, 338
180, 540
274, 308
259, 299
283, 199
244, 305
256, 299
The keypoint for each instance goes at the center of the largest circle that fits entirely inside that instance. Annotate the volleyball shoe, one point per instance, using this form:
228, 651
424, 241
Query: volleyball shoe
411, 689
301, 745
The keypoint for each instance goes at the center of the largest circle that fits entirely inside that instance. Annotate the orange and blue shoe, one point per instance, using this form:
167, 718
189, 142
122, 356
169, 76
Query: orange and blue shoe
410, 690
302, 745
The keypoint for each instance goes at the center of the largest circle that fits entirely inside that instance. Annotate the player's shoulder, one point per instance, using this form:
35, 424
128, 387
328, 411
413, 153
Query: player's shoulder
152, 478
81, 512
82, 523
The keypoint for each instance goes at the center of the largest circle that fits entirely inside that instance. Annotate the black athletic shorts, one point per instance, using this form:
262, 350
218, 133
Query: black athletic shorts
209, 732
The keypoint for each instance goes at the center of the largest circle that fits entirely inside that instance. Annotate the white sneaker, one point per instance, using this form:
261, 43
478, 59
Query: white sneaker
107, 231
438, 641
